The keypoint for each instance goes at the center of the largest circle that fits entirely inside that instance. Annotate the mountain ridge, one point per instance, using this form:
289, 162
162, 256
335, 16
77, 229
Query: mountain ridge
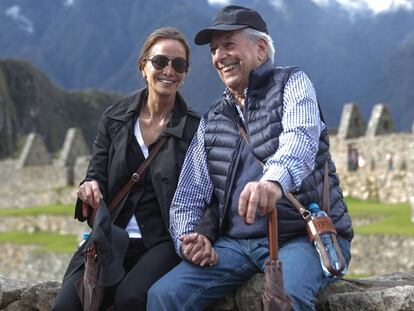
94, 44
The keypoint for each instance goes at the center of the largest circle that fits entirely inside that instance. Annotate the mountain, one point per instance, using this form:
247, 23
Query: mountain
30, 102
84, 44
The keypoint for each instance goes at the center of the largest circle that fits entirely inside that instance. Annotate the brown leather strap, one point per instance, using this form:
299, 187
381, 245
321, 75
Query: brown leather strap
301, 209
318, 226
325, 194
272, 234
135, 177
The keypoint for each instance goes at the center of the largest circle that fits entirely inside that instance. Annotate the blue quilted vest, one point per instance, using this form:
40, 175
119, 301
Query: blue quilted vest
263, 115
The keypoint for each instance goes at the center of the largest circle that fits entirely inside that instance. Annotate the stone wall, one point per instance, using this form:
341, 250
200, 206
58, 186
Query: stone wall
363, 156
373, 178
394, 292
38, 179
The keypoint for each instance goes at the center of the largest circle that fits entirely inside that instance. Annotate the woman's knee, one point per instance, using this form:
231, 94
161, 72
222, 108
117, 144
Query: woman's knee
66, 300
130, 300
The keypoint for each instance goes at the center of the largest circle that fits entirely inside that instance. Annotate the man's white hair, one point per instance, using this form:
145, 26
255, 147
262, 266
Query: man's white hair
255, 35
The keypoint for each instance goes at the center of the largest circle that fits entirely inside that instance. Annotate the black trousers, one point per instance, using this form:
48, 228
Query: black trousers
144, 267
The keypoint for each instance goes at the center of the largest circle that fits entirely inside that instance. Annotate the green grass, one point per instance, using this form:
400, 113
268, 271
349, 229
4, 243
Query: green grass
388, 219
54, 209
47, 241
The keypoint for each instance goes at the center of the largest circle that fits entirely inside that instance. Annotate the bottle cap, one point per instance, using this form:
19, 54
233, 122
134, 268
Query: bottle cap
86, 235
313, 207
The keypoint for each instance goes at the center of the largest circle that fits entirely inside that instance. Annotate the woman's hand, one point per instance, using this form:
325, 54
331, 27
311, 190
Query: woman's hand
90, 194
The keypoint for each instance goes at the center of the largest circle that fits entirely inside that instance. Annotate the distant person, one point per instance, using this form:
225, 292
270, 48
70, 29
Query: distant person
278, 109
389, 157
127, 132
361, 161
353, 160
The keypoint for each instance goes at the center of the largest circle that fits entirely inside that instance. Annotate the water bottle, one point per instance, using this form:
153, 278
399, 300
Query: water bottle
85, 236
327, 242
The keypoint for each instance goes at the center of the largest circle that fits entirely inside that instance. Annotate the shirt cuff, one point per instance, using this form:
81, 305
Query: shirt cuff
280, 175
178, 249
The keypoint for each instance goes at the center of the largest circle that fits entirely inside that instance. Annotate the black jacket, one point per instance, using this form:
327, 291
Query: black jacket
110, 167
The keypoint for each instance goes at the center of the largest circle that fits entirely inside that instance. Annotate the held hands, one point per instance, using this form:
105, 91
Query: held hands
261, 195
197, 249
90, 194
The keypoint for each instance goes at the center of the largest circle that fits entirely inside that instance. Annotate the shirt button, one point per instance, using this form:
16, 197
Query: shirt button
164, 180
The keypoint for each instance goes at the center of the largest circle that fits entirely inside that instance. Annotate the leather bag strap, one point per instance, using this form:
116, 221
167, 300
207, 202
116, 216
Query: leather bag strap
135, 177
325, 194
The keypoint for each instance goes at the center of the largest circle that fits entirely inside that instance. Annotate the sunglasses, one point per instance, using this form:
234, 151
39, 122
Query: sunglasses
159, 62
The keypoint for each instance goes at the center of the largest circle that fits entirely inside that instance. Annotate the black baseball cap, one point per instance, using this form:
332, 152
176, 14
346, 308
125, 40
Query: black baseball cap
232, 17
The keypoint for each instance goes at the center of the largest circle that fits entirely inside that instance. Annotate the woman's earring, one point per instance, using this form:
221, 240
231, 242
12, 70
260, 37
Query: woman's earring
181, 84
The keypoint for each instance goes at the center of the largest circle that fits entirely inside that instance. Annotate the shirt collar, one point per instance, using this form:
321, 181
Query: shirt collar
257, 77
175, 125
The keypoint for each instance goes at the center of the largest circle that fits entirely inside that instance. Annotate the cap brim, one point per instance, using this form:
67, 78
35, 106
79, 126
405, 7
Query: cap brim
204, 35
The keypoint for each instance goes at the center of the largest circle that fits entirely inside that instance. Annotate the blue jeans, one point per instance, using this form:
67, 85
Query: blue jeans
189, 287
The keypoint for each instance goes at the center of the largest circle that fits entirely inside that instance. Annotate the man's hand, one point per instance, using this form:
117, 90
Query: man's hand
89, 193
261, 195
197, 249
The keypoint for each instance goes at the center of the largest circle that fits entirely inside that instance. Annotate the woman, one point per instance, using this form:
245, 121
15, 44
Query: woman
126, 133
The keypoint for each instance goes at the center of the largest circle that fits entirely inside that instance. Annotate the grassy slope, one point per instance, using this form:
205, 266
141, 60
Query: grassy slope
389, 219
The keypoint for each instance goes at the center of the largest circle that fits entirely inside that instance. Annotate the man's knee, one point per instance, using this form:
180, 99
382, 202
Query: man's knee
160, 291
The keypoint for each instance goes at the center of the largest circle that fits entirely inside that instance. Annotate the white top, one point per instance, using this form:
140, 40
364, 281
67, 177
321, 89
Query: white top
132, 228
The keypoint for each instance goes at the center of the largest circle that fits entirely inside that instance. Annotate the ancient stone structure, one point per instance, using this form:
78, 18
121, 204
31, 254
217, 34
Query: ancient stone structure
373, 161
394, 292
352, 124
37, 179
378, 164
74, 146
380, 122
34, 152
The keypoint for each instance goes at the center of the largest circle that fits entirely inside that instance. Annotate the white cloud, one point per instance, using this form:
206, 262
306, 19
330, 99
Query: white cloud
375, 6
219, 2
24, 23
69, 3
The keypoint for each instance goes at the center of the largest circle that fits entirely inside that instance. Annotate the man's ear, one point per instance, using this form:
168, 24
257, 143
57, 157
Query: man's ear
262, 50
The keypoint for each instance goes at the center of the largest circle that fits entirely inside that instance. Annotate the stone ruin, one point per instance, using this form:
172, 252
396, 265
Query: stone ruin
42, 178
351, 124
34, 152
374, 162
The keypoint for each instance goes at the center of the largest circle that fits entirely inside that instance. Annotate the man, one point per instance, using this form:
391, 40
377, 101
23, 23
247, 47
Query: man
278, 109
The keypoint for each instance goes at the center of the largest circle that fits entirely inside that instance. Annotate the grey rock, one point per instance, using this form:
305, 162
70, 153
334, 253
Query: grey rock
392, 292
40, 297
11, 290
384, 293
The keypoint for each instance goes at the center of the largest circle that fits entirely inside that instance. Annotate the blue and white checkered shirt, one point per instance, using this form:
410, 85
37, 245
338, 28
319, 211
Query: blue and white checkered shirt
291, 163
